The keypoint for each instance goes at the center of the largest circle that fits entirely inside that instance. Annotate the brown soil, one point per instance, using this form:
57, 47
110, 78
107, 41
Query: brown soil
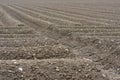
49, 69
60, 40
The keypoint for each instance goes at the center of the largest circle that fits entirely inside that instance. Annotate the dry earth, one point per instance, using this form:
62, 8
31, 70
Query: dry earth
59, 40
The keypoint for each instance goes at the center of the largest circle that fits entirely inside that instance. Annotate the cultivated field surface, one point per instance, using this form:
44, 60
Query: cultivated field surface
59, 39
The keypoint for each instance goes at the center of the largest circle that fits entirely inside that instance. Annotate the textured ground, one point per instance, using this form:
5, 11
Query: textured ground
60, 40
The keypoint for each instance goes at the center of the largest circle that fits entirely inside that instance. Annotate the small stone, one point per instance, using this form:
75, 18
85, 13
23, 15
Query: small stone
57, 69
103, 75
67, 50
20, 69
79, 70
112, 40
22, 76
14, 61
10, 71
118, 69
